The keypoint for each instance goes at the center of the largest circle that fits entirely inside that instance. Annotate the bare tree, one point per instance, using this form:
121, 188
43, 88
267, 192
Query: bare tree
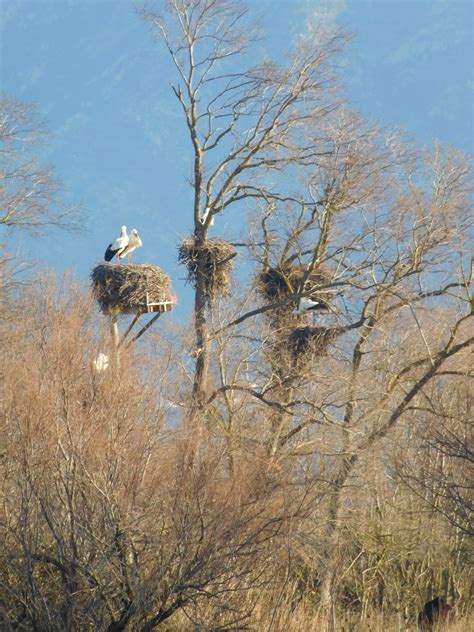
380, 235
443, 477
29, 190
244, 121
382, 225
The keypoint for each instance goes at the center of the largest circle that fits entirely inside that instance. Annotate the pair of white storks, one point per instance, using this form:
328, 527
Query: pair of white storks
123, 246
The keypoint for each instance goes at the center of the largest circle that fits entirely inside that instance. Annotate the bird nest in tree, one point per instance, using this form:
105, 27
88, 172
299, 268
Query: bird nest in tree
294, 350
218, 262
123, 289
311, 339
302, 345
285, 284
278, 283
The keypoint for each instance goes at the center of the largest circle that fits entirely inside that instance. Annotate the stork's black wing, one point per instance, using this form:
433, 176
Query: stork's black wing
110, 252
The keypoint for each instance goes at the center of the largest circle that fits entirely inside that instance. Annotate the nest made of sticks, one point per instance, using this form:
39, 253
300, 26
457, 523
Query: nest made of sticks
295, 350
277, 283
285, 284
219, 259
124, 288
311, 339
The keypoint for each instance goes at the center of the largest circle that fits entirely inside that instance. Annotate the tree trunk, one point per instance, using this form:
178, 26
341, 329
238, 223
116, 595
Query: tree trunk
333, 546
329, 575
201, 330
114, 331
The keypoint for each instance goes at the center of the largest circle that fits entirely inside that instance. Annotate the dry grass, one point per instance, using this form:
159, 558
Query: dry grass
269, 612
218, 254
121, 288
301, 622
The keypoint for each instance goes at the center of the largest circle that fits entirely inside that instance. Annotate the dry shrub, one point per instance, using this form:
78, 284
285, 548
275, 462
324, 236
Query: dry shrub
218, 254
123, 288
111, 515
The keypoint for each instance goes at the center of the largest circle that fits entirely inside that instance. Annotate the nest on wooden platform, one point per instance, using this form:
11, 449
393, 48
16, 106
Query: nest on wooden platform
125, 288
285, 281
218, 257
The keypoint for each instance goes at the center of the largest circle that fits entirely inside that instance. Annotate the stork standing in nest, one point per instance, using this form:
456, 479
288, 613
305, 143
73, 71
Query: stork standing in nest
134, 242
116, 248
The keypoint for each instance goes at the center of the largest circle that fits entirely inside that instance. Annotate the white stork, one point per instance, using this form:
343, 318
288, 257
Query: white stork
117, 246
309, 305
205, 215
133, 243
101, 363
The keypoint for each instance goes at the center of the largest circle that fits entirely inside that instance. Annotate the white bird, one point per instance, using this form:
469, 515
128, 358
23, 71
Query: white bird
306, 305
133, 243
205, 215
101, 363
117, 246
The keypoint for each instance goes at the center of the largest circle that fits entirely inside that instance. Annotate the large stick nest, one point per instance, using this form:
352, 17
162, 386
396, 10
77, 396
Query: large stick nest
123, 289
278, 283
217, 257
302, 346
311, 339
284, 284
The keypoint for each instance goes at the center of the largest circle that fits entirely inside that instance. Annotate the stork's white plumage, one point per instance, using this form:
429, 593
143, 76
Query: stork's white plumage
134, 242
117, 246
205, 215
101, 363
308, 305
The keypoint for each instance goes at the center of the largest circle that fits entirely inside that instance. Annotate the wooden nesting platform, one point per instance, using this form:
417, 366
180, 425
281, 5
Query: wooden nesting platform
159, 307
131, 289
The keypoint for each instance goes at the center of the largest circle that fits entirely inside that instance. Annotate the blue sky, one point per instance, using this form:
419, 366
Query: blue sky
119, 144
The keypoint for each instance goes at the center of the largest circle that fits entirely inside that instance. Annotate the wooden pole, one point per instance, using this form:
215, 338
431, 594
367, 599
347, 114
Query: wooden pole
130, 327
114, 330
145, 328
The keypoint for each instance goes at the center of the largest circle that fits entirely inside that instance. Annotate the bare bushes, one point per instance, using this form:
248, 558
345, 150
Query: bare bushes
114, 520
